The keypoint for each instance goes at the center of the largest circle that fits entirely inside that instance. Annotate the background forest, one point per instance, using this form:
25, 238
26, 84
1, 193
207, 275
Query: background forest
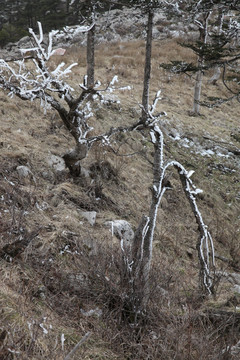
17, 16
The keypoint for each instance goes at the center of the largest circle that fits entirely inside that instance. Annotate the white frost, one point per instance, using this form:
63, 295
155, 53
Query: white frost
190, 173
153, 137
62, 341
45, 331
114, 80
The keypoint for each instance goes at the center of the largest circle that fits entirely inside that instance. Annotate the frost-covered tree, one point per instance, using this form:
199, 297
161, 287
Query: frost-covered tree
39, 81
137, 256
147, 68
51, 88
87, 11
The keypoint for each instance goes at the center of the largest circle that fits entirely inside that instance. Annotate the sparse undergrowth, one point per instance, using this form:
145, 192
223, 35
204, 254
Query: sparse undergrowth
65, 281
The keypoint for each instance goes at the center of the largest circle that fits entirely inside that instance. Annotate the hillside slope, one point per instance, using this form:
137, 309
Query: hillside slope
60, 274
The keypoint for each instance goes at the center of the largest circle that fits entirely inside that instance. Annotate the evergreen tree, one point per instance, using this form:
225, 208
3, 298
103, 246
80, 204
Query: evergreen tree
216, 46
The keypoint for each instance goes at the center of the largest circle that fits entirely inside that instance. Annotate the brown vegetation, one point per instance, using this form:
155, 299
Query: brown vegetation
69, 268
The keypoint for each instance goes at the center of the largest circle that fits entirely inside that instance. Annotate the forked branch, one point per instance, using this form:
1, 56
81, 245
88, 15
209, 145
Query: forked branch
137, 263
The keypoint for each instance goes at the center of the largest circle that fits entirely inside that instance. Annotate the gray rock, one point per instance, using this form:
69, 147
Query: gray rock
85, 172
236, 289
56, 162
234, 278
235, 350
91, 245
90, 216
93, 312
115, 25
26, 40
121, 229
25, 172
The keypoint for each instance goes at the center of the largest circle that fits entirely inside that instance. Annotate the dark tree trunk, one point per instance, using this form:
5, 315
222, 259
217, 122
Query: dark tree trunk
198, 84
90, 57
147, 69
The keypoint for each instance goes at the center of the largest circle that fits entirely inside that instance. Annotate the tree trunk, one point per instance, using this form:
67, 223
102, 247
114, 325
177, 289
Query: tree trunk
137, 262
141, 255
72, 158
67, 6
197, 90
217, 69
147, 69
90, 57
198, 84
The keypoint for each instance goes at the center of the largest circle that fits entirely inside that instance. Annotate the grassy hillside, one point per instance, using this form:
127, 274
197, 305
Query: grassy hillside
69, 267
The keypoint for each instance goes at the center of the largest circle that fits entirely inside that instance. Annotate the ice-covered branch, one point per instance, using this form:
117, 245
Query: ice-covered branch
205, 245
141, 255
155, 101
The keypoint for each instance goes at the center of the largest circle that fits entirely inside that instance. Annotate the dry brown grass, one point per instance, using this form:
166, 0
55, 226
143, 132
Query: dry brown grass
37, 283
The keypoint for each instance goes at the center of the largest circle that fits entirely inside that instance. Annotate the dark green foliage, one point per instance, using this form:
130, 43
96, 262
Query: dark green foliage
54, 14
217, 46
212, 53
17, 16
178, 67
11, 33
50, 14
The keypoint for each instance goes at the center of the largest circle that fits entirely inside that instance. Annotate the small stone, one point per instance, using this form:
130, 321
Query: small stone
93, 312
25, 172
56, 162
234, 278
85, 172
236, 289
121, 229
90, 216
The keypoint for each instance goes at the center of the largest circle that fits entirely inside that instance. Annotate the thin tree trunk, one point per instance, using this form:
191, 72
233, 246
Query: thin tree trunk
147, 69
76, 347
67, 6
217, 70
198, 84
142, 243
137, 265
90, 57
197, 90
143, 239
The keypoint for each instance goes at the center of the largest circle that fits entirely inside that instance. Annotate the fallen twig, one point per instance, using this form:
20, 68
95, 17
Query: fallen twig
72, 352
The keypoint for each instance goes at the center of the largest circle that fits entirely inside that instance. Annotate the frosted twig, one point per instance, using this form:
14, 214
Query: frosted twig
73, 351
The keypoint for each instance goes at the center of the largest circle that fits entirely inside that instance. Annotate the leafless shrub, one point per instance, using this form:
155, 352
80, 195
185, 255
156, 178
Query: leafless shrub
15, 203
171, 327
